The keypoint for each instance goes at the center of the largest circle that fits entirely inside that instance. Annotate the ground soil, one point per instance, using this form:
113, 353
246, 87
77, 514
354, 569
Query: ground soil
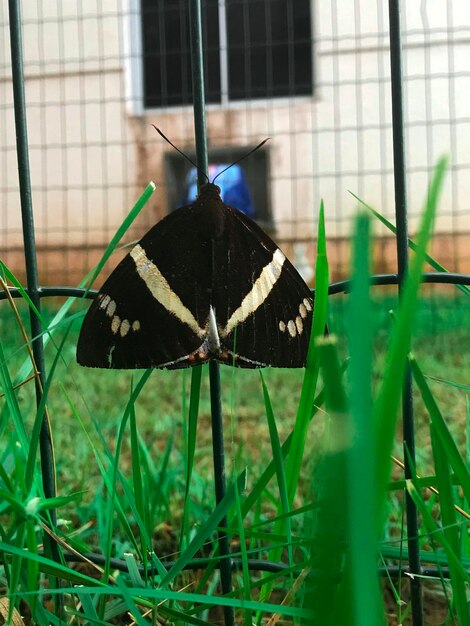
435, 606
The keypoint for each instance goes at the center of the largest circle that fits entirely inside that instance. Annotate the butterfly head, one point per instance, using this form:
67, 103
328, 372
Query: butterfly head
209, 189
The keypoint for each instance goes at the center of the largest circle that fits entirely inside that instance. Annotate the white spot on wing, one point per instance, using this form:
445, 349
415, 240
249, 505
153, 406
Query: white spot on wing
291, 328
115, 323
111, 308
296, 326
105, 300
124, 328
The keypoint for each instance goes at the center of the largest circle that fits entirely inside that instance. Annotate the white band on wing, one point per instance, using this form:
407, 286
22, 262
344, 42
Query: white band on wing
161, 290
258, 293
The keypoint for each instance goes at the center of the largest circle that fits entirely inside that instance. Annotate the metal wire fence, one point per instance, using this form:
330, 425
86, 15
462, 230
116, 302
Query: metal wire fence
91, 75
87, 74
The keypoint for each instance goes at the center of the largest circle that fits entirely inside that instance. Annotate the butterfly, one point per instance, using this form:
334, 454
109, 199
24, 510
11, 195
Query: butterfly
206, 282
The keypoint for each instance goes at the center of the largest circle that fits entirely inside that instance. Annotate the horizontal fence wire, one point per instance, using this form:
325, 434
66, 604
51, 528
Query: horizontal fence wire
343, 286
259, 565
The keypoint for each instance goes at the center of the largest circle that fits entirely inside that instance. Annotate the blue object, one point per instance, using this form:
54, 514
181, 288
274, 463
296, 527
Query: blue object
233, 187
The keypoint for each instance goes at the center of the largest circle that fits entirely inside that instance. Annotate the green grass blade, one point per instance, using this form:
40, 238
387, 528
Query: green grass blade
261, 483
385, 410
47, 566
247, 616
182, 617
17, 562
193, 413
259, 487
141, 501
111, 477
17, 505
113, 497
47, 334
129, 408
32, 566
121, 231
11, 407
162, 474
467, 432
209, 526
441, 430
8, 274
89, 610
131, 605
450, 525
309, 384
449, 383
183, 596
434, 529
360, 460
133, 570
107, 476
42, 415
327, 535
279, 466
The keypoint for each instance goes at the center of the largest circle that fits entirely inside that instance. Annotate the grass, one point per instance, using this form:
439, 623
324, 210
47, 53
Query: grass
134, 470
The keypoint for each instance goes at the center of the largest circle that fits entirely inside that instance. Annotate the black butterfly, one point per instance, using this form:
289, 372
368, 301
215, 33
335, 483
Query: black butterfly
204, 283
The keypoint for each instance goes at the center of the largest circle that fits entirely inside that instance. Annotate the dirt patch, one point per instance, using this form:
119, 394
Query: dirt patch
435, 604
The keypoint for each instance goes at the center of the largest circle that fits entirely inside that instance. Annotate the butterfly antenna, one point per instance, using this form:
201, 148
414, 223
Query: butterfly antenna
182, 153
260, 145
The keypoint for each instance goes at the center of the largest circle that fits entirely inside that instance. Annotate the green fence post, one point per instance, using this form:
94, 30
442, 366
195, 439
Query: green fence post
214, 369
401, 215
46, 449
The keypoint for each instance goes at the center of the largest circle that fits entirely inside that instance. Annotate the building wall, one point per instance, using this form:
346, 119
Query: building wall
92, 148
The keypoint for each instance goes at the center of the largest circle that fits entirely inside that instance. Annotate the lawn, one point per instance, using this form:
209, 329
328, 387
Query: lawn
440, 343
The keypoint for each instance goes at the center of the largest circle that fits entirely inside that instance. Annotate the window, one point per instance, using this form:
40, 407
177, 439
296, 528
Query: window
255, 170
253, 49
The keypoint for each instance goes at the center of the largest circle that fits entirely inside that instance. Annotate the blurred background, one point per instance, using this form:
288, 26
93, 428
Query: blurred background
313, 76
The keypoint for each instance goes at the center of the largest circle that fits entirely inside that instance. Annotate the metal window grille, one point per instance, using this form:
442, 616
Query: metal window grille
256, 49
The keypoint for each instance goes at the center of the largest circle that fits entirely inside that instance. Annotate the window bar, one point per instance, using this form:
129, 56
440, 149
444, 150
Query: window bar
223, 52
45, 441
214, 368
399, 168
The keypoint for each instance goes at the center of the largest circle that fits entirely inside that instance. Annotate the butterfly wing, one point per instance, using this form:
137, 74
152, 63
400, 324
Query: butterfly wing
152, 310
263, 306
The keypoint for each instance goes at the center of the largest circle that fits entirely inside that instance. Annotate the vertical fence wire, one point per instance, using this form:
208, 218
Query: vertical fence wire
46, 446
402, 258
214, 369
